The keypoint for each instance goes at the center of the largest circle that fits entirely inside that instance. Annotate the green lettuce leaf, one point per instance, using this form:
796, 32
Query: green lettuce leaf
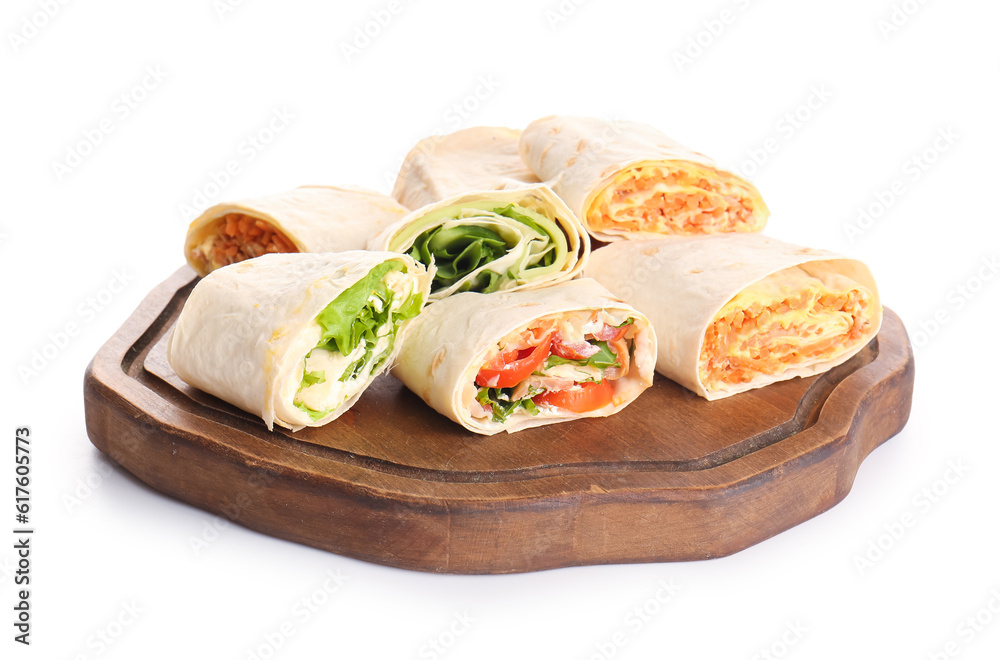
457, 251
498, 400
352, 318
312, 378
313, 414
602, 359
462, 250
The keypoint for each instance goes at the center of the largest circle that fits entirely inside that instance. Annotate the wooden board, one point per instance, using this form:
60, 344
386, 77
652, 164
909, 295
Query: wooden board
672, 477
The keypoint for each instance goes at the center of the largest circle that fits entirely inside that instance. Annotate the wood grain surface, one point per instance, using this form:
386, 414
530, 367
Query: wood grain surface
672, 477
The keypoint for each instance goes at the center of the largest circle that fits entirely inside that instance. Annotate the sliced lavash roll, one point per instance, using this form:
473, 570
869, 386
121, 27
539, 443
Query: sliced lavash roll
627, 180
472, 159
493, 240
305, 219
735, 312
296, 338
453, 351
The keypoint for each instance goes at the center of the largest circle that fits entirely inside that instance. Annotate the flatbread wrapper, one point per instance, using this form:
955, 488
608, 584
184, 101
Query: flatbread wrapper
305, 219
451, 340
246, 329
472, 159
627, 180
683, 283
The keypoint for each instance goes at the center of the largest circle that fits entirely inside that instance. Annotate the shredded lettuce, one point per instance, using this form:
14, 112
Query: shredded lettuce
313, 414
312, 378
353, 317
498, 401
350, 317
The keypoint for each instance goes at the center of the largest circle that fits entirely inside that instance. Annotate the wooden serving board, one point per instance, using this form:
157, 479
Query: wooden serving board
672, 477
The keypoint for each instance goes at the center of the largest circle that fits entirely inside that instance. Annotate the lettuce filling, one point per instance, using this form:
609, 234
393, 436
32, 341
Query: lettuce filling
485, 247
498, 400
358, 332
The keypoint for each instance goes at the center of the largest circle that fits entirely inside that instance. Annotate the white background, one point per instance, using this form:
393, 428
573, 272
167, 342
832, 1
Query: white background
880, 94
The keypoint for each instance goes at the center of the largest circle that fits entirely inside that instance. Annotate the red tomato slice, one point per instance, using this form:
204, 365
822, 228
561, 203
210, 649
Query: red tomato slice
510, 368
581, 398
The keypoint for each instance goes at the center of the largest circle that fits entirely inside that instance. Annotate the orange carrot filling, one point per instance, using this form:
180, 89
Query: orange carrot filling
668, 200
788, 319
238, 237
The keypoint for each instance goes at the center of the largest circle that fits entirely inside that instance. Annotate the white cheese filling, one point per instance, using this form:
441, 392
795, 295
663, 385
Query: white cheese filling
333, 392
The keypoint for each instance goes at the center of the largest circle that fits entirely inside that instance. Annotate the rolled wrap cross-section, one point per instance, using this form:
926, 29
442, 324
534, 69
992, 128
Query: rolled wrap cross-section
739, 311
492, 241
515, 360
628, 180
305, 219
296, 338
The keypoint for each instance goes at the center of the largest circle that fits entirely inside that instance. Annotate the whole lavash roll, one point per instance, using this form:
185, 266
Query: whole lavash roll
245, 330
682, 283
585, 159
472, 159
450, 341
305, 219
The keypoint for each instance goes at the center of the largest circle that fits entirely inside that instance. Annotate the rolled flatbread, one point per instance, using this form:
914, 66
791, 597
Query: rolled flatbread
489, 241
515, 360
306, 219
735, 312
627, 180
296, 338
473, 159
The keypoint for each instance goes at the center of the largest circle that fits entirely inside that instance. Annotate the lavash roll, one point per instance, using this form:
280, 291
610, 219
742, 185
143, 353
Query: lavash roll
616, 166
245, 330
309, 218
682, 284
451, 340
